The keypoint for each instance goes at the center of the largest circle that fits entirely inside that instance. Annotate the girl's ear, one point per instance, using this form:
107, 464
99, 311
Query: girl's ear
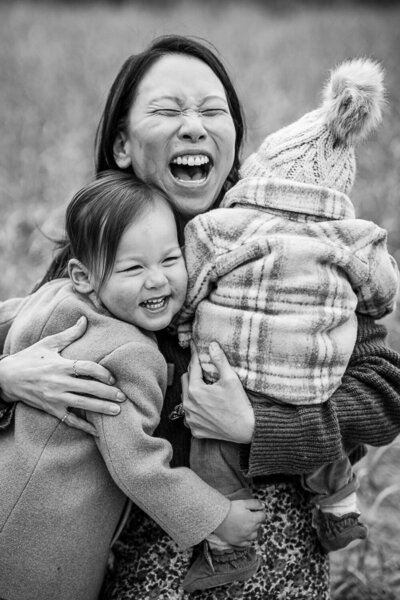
121, 151
80, 276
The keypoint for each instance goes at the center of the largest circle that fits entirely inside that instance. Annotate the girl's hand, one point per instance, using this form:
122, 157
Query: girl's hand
40, 377
241, 525
221, 410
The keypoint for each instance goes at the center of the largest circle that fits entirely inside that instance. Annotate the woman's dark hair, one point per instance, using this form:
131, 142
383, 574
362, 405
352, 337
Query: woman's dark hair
96, 219
123, 91
119, 102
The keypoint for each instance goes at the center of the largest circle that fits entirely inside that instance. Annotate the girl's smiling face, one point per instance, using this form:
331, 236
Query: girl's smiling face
147, 285
180, 134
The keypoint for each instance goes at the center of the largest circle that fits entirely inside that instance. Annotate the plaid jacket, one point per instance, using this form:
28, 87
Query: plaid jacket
275, 276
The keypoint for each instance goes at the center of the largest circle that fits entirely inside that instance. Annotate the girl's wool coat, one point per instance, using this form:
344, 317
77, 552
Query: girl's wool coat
63, 491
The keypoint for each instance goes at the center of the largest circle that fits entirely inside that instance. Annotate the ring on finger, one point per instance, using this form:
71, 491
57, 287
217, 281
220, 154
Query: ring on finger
65, 417
75, 370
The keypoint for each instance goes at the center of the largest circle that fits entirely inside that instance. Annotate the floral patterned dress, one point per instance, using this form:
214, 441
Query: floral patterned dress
148, 565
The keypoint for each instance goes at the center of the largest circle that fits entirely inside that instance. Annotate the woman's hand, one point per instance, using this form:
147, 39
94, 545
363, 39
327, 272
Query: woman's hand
221, 410
240, 526
40, 377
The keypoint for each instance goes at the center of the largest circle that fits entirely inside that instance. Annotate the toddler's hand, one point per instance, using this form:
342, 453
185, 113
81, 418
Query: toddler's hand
241, 525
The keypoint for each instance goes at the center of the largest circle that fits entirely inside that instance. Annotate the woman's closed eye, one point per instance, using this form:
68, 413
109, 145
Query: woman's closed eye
206, 112
168, 112
214, 112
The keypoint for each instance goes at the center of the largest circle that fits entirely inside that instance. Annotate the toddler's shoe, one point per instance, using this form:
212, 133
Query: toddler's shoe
337, 532
220, 567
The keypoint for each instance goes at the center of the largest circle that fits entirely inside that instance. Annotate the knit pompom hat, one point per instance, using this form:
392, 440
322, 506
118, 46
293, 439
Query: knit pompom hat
319, 148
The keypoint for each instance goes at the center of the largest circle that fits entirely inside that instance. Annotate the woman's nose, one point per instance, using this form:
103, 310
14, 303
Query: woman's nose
192, 127
155, 278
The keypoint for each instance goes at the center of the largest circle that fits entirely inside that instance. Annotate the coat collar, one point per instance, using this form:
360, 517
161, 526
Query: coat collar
291, 196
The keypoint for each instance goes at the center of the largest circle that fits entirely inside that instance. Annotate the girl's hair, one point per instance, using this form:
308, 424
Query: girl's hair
123, 92
96, 219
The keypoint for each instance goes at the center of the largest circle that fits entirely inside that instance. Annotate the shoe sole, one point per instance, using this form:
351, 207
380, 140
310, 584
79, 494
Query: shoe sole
213, 582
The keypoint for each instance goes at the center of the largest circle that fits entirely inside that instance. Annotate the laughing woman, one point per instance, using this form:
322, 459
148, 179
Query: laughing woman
174, 119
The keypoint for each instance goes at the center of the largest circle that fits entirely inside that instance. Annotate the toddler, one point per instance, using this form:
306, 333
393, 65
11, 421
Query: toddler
63, 492
276, 276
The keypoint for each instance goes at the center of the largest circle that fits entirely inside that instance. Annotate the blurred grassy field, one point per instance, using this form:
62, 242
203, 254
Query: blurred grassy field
57, 63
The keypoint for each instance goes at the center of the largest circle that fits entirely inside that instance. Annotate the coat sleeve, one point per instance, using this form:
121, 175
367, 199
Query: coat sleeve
8, 311
365, 409
177, 499
199, 257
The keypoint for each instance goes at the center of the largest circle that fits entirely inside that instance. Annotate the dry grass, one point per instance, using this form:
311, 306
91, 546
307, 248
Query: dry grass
370, 570
57, 64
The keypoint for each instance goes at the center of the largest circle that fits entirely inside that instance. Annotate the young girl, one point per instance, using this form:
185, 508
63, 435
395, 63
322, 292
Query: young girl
63, 491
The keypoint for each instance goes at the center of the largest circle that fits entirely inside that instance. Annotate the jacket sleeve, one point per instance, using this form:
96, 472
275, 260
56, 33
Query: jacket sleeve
365, 409
199, 257
377, 295
177, 499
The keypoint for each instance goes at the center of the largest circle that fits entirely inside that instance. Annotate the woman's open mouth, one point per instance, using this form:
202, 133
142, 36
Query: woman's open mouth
191, 168
155, 304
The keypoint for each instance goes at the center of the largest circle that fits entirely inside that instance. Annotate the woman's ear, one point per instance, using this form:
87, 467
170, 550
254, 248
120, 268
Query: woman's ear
80, 276
121, 151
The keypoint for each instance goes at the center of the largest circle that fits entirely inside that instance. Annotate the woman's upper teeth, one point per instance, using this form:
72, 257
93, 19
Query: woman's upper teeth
192, 160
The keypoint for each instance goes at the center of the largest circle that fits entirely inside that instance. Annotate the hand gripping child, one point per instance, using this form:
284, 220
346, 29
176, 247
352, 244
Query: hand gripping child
276, 276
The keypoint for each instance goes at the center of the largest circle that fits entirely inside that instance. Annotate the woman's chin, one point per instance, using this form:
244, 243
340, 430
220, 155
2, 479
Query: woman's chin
189, 202
192, 197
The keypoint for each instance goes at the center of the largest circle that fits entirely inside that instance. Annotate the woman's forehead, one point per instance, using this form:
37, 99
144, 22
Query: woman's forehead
175, 75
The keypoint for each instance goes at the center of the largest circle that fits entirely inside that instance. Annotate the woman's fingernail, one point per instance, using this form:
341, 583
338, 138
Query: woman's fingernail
111, 380
214, 347
115, 410
121, 397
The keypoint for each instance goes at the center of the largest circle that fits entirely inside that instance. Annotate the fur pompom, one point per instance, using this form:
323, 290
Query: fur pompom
353, 100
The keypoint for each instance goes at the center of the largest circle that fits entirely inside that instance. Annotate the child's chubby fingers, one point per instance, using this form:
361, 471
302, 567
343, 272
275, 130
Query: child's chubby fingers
254, 505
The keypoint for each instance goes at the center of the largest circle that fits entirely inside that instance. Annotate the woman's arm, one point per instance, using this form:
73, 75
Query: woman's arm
287, 439
40, 377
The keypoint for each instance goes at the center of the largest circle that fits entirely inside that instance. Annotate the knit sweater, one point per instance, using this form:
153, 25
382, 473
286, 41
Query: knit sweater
365, 409
275, 276
63, 491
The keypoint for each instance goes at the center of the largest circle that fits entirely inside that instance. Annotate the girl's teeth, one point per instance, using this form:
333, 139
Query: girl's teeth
154, 304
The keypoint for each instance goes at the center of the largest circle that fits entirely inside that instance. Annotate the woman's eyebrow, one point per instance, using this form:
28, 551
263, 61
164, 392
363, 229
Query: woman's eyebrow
180, 100
215, 97
166, 97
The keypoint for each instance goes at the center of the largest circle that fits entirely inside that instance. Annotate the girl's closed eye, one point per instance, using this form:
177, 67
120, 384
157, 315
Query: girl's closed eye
173, 258
134, 269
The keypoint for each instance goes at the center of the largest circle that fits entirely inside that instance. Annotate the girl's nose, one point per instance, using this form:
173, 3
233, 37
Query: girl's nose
192, 127
155, 278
